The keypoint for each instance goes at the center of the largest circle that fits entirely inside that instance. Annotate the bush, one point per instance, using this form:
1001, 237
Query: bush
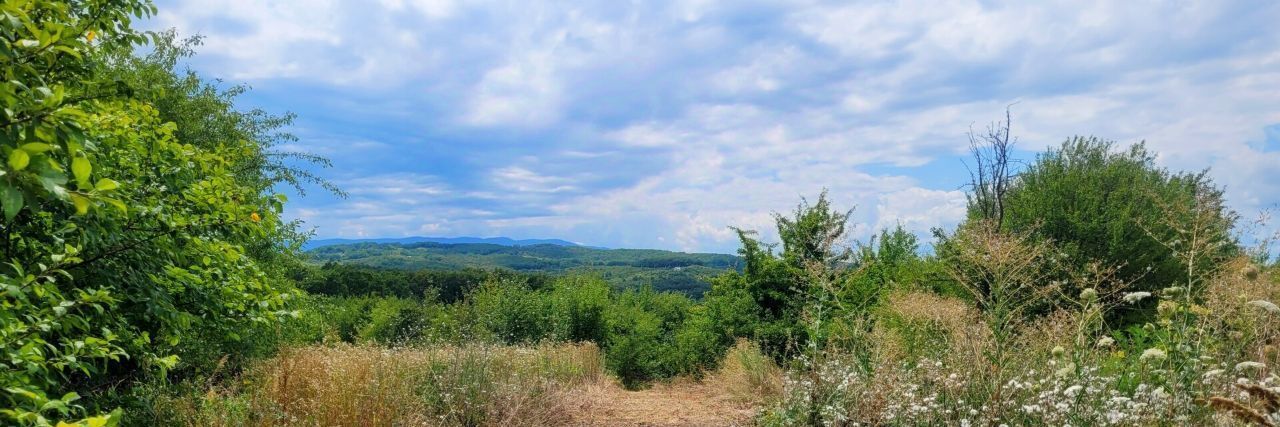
142, 235
1101, 204
511, 312
580, 304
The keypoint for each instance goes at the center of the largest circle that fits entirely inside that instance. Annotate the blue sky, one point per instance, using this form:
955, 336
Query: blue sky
660, 124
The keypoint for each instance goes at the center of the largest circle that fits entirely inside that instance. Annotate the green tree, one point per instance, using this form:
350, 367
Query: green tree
135, 245
1100, 203
773, 289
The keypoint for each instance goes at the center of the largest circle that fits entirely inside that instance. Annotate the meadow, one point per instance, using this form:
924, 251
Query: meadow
152, 278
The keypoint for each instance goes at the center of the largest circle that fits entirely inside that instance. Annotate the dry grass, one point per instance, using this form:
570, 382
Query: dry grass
680, 402
370, 386
957, 321
747, 375
731, 395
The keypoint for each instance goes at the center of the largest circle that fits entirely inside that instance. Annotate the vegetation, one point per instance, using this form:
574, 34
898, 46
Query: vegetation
624, 268
1120, 221
136, 247
151, 281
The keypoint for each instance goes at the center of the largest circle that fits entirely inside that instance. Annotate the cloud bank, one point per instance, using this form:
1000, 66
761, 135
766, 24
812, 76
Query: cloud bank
661, 124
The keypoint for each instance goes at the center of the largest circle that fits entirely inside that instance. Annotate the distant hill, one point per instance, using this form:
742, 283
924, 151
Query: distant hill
503, 241
624, 268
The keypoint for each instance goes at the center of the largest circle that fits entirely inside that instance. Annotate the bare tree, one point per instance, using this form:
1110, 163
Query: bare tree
990, 176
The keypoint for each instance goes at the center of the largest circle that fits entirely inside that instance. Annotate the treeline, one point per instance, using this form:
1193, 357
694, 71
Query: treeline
447, 286
623, 268
345, 279
545, 257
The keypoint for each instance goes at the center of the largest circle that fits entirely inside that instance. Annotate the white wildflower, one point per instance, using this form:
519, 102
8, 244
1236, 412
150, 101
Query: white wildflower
1266, 305
1152, 354
1248, 366
1133, 297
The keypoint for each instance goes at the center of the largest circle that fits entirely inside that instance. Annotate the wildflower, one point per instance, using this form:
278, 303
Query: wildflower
1244, 366
1200, 310
1153, 354
1088, 295
1058, 351
1106, 342
1269, 306
1067, 370
1134, 297
1213, 373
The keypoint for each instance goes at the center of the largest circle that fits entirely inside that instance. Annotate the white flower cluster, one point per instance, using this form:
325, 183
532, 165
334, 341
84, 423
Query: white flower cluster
932, 393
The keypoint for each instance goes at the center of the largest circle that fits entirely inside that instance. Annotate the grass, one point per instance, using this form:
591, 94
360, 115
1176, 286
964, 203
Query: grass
748, 375
373, 386
1208, 360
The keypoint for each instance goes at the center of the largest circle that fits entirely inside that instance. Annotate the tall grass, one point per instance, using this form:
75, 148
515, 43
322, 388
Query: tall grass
748, 375
370, 386
1204, 359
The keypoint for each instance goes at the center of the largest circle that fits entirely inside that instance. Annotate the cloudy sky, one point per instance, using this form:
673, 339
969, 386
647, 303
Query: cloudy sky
660, 124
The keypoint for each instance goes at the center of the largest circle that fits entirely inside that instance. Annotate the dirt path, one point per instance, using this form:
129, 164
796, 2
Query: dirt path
684, 403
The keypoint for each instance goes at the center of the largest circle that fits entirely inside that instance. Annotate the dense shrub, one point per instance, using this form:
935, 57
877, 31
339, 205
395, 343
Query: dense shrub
580, 305
141, 224
1100, 203
447, 286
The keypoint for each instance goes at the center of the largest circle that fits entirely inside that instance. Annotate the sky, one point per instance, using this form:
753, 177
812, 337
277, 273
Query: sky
660, 124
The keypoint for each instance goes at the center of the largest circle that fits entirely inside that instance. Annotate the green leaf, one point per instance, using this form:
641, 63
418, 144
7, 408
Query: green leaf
81, 168
36, 147
12, 200
118, 204
105, 184
19, 159
81, 202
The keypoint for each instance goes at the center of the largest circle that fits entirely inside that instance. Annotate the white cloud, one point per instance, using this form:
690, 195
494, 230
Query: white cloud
722, 112
517, 178
525, 91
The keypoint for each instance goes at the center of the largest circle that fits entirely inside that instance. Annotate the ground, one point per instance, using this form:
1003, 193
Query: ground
681, 403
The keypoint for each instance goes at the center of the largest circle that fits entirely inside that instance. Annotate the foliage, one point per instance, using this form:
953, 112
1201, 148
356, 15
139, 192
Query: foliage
623, 268
1101, 204
472, 385
142, 238
447, 286
771, 298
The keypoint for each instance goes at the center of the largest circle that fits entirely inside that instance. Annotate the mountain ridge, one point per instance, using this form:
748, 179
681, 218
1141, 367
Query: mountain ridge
501, 241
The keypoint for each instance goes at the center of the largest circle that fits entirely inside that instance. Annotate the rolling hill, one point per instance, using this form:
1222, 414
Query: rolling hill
502, 241
624, 268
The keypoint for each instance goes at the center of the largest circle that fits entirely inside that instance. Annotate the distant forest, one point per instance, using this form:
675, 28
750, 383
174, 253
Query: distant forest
622, 268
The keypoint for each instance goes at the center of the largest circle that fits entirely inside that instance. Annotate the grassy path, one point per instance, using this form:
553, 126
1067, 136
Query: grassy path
682, 403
